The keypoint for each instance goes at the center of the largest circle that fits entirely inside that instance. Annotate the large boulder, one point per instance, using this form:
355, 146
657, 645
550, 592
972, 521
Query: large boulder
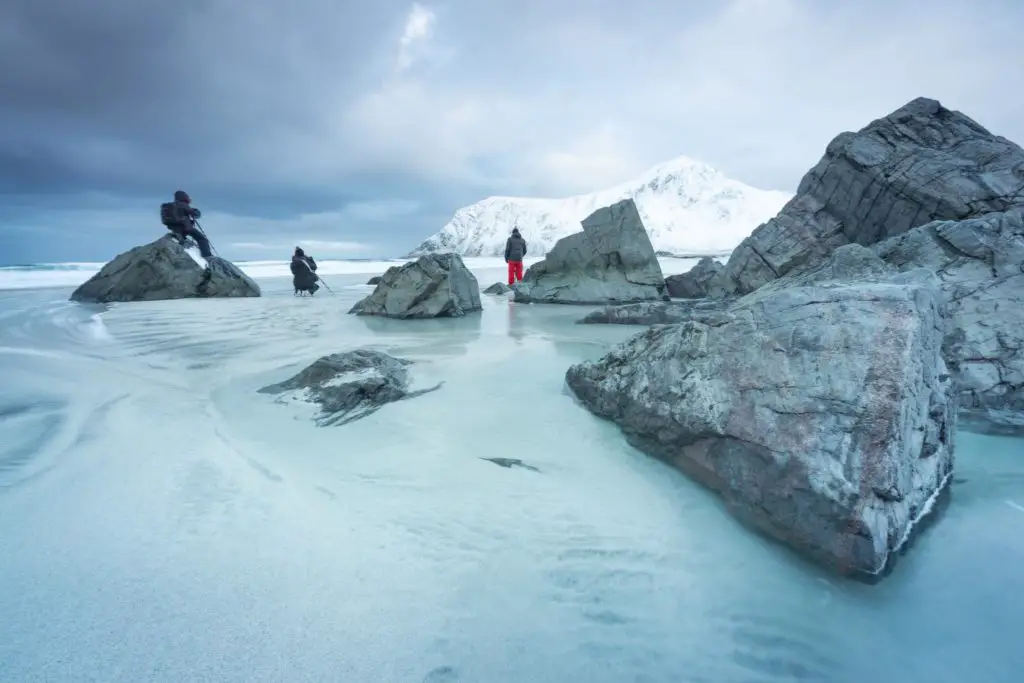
924, 187
163, 269
981, 264
822, 412
919, 164
349, 386
694, 283
611, 261
432, 286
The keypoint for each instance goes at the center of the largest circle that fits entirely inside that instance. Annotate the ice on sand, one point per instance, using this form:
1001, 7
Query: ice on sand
161, 521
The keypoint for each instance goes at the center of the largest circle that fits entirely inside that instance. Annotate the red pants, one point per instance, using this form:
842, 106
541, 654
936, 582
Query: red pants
515, 271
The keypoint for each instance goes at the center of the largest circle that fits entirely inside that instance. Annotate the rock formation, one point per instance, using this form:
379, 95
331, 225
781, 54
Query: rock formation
981, 264
922, 187
822, 412
611, 261
919, 164
349, 386
432, 286
164, 270
374, 281
498, 288
694, 283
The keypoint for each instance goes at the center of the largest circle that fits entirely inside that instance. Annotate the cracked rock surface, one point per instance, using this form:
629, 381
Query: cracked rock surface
924, 187
611, 261
694, 283
822, 413
981, 264
432, 286
163, 270
919, 164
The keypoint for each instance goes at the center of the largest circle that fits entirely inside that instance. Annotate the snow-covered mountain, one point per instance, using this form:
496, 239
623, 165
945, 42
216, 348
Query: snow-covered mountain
687, 207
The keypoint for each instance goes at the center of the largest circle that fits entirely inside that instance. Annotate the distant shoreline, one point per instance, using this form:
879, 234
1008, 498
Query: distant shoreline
72, 274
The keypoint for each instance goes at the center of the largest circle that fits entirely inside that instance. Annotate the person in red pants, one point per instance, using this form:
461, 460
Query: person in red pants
515, 250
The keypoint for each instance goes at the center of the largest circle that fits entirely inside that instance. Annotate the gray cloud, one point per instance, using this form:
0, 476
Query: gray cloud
273, 112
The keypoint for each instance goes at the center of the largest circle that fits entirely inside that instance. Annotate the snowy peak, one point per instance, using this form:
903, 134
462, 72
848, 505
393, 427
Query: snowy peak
687, 206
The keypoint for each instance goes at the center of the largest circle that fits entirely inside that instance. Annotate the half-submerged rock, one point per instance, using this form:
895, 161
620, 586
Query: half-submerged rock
611, 261
823, 414
432, 286
164, 270
694, 283
349, 386
498, 288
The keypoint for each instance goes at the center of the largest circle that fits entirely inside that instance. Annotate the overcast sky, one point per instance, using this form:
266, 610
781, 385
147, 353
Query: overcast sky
359, 127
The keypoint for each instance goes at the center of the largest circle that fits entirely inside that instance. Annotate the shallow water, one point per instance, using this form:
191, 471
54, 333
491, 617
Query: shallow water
161, 521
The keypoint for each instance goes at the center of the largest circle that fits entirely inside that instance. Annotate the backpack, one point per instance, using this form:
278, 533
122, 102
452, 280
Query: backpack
168, 216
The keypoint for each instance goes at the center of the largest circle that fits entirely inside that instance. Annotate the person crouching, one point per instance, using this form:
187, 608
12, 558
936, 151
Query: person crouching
304, 275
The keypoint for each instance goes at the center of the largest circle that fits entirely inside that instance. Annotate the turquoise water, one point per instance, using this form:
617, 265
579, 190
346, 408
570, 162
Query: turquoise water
161, 521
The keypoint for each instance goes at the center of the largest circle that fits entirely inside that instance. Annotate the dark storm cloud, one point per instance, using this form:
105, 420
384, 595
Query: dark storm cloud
123, 93
315, 119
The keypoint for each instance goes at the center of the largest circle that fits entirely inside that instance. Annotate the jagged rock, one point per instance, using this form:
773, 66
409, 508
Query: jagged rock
849, 262
349, 386
924, 187
611, 261
694, 283
162, 270
375, 280
498, 288
823, 414
981, 264
919, 164
660, 313
432, 286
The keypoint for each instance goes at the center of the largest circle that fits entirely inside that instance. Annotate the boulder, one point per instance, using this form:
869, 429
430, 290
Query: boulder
822, 413
694, 283
919, 164
611, 261
498, 288
349, 386
923, 187
374, 281
432, 286
981, 264
163, 269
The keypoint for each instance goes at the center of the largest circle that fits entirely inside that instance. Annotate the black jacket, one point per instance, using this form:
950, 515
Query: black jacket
186, 214
515, 248
303, 272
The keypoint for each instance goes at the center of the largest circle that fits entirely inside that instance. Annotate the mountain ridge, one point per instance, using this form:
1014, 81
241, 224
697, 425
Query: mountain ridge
688, 207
